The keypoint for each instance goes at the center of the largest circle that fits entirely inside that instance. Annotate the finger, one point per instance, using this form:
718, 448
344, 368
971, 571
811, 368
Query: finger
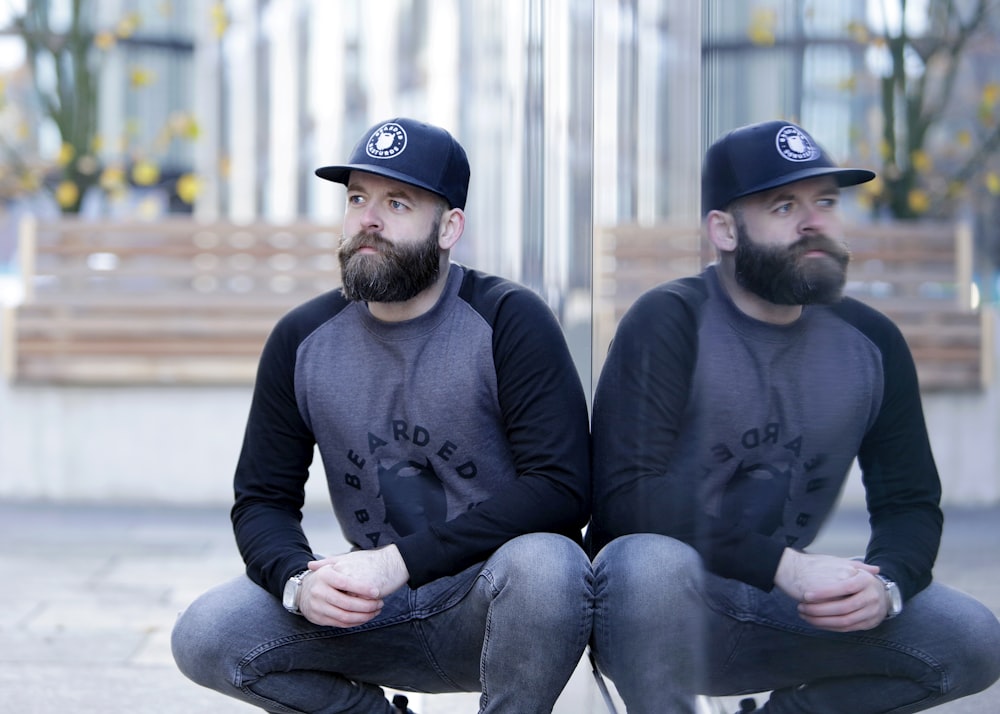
332, 617
349, 602
346, 582
868, 567
837, 589
317, 564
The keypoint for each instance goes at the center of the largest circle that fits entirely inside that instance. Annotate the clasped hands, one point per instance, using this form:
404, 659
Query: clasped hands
347, 590
837, 594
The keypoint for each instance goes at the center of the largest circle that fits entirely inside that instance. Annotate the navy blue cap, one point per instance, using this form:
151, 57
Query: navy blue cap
763, 156
412, 152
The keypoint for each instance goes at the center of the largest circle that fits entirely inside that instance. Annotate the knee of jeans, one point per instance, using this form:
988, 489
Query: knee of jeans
647, 561
977, 662
546, 560
196, 644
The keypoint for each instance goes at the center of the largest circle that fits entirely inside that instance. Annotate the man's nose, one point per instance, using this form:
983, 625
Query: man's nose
371, 218
815, 221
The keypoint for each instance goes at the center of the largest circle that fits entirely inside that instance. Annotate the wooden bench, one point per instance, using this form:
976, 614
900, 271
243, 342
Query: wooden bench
919, 275
176, 301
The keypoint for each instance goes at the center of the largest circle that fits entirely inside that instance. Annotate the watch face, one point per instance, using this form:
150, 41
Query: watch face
291, 590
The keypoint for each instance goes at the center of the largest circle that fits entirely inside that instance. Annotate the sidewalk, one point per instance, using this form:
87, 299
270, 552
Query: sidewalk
90, 594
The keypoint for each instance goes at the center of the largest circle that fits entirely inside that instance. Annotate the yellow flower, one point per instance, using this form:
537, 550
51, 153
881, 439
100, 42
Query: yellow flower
188, 188
184, 126
922, 161
762, 27
858, 32
991, 93
964, 139
139, 77
145, 172
128, 25
992, 181
112, 178
148, 209
104, 40
87, 164
918, 200
66, 154
30, 181
219, 19
67, 194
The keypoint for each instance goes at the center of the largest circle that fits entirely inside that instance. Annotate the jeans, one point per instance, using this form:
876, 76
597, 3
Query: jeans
513, 628
665, 630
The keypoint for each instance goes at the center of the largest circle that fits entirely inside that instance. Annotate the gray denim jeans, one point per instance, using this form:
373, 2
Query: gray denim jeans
513, 628
664, 630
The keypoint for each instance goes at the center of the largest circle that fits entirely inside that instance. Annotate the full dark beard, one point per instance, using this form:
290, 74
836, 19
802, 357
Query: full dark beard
784, 276
394, 274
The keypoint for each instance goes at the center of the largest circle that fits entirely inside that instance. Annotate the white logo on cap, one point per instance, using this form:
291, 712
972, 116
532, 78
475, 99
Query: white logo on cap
794, 145
387, 141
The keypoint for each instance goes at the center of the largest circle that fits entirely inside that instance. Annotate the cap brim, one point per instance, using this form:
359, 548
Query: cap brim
845, 177
342, 174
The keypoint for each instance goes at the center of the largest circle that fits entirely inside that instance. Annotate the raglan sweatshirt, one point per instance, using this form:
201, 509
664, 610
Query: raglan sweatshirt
448, 434
736, 436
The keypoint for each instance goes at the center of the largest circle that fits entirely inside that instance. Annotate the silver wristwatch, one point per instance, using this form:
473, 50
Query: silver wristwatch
293, 588
894, 596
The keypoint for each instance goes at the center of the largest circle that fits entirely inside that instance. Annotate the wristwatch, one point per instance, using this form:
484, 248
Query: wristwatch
293, 588
895, 597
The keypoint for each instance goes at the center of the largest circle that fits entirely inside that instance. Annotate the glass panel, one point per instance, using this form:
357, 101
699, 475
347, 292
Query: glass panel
646, 155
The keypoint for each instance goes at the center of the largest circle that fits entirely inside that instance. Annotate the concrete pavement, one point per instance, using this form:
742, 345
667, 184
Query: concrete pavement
90, 593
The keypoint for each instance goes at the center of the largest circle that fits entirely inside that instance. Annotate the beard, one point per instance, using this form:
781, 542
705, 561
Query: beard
393, 273
784, 276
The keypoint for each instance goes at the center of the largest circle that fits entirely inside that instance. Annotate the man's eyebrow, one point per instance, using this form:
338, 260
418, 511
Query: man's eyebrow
401, 192
783, 193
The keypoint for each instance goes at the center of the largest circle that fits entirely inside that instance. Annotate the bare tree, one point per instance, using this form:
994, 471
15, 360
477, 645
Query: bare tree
918, 98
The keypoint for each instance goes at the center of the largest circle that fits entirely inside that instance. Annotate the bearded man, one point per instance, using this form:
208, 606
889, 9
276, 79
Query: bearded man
725, 422
453, 430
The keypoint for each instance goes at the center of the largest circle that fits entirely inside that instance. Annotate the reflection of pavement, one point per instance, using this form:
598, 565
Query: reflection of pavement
90, 594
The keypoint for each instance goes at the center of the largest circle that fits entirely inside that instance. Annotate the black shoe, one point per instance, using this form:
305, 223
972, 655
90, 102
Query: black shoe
747, 705
400, 703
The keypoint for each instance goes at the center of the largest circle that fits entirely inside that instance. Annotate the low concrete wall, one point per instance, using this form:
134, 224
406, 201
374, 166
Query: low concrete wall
179, 444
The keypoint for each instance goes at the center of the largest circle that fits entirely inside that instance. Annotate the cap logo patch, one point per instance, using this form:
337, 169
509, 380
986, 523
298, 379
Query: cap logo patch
387, 141
794, 145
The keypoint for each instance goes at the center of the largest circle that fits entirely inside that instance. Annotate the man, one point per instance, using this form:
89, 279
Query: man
726, 419
453, 430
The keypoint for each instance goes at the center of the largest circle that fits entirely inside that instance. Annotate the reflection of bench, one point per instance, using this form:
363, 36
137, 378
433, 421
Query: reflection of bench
919, 275
176, 301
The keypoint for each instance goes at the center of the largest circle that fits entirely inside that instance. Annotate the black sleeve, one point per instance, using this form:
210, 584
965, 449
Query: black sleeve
901, 481
639, 406
545, 410
274, 461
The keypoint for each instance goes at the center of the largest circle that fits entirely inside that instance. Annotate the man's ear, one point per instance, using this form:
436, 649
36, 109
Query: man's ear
451, 229
720, 226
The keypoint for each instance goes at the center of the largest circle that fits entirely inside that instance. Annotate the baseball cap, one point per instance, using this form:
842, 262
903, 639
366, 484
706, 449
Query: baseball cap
763, 156
412, 152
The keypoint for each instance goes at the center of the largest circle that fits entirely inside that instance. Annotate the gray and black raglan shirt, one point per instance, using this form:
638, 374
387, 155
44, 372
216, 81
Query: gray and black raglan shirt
447, 435
736, 435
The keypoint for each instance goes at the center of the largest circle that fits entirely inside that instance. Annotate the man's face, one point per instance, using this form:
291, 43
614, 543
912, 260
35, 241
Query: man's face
390, 250
812, 270
785, 253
